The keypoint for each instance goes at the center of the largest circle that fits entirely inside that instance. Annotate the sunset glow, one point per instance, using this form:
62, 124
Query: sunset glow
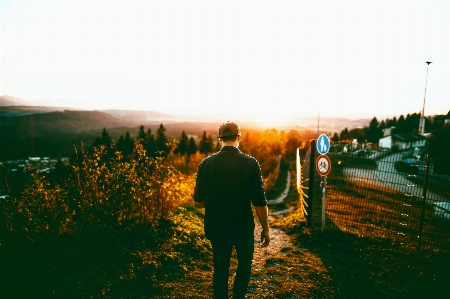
258, 61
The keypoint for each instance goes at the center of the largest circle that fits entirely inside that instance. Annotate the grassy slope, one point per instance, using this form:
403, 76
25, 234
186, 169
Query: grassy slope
139, 264
175, 262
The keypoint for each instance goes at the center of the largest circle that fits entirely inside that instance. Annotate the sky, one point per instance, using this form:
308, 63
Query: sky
263, 61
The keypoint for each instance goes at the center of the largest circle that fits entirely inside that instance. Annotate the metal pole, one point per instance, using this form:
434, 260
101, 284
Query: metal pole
424, 199
422, 118
323, 185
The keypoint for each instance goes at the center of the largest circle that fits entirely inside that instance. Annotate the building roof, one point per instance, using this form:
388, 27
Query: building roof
408, 137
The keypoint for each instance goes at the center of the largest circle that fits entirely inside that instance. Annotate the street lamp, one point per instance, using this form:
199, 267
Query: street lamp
422, 117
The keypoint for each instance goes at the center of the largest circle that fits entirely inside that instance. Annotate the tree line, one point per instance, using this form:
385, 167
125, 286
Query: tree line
155, 144
374, 131
116, 187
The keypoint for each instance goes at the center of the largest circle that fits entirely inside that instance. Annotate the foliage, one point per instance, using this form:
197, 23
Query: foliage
183, 145
402, 125
141, 263
192, 148
439, 145
267, 147
206, 144
161, 140
101, 195
148, 141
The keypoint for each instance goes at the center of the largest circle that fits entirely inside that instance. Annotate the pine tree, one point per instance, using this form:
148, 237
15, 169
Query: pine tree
192, 149
125, 145
335, 138
161, 140
149, 144
373, 133
206, 144
141, 133
344, 134
183, 145
105, 140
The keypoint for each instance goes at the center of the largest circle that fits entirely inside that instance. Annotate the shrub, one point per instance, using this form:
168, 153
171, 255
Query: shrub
101, 194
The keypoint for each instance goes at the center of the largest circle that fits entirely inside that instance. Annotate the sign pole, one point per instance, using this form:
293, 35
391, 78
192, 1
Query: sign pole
323, 185
323, 166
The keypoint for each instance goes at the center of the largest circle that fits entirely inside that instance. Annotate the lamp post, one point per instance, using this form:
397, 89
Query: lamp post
422, 117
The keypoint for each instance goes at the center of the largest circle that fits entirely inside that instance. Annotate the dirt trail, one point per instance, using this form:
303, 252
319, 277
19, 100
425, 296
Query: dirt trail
282, 270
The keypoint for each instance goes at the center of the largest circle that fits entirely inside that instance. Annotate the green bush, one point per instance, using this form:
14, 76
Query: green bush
101, 194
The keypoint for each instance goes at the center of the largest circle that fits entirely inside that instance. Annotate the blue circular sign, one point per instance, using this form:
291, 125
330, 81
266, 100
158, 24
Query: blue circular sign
323, 144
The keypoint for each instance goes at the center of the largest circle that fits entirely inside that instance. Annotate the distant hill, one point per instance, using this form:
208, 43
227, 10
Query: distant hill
56, 122
11, 101
13, 111
52, 133
139, 117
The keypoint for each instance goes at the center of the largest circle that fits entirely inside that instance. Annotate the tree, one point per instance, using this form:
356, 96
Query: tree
373, 132
335, 138
206, 145
161, 140
149, 143
61, 171
344, 134
192, 149
439, 145
125, 145
357, 134
107, 141
400, 127
183, 145
381, 127
293, 142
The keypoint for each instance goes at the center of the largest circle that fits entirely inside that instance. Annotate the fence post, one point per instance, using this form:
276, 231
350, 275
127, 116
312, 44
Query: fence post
312, 166
424, 199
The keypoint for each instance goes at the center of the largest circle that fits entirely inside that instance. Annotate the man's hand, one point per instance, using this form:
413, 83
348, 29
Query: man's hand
265, 238
263, 215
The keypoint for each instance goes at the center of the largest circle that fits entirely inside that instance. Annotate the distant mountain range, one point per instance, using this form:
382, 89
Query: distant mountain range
32, 131
56, 122
11, 101
15, 112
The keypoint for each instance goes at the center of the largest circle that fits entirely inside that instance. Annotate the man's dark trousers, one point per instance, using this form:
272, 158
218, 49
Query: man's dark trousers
222, 248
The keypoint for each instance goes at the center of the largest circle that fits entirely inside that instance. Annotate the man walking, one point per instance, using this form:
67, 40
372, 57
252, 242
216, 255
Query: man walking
228, 182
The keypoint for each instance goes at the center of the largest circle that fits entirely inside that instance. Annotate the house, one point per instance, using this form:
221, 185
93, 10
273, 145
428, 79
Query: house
402, 141
386, 140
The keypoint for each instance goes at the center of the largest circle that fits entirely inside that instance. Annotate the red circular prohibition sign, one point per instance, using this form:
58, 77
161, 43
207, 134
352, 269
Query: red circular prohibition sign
323, 165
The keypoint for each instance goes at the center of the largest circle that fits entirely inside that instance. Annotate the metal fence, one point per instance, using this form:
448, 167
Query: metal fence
381, 194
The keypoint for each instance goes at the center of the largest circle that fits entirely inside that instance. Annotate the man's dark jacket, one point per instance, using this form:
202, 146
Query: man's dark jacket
228, 182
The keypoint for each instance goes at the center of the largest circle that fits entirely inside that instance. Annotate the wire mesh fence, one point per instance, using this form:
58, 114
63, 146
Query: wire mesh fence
381, 194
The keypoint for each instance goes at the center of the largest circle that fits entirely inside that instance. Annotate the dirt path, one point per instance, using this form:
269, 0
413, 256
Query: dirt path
283, 270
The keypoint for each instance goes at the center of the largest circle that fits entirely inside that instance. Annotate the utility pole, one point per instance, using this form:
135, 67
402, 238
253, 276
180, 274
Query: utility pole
422, 117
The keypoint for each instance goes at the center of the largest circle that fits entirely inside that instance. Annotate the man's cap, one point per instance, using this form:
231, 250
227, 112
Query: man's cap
229, 129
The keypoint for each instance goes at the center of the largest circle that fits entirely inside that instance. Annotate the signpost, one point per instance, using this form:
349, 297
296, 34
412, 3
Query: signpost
323, 166
323, 144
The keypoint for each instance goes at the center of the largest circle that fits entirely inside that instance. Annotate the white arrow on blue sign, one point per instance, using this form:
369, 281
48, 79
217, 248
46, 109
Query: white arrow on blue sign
323, 144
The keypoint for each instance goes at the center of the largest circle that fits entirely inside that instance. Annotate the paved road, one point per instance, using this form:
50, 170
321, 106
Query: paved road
386, 175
